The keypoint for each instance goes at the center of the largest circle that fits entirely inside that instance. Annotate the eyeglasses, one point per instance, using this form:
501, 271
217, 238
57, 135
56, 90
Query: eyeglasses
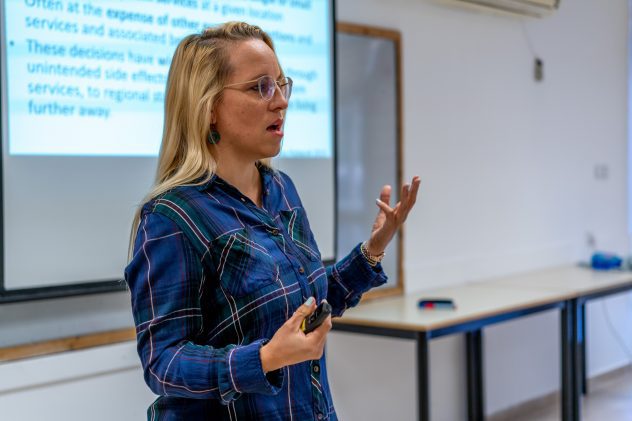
266, 86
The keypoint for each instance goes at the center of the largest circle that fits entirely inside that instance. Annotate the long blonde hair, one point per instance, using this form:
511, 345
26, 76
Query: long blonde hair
199, 70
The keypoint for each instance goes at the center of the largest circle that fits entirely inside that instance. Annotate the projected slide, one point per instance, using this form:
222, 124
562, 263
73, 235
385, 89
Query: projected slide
83, 86
88, 78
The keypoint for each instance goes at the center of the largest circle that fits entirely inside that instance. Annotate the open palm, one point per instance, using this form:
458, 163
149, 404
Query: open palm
390, 219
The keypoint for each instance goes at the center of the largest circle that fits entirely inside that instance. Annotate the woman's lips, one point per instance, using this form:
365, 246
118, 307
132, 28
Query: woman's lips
277, 131
276, 127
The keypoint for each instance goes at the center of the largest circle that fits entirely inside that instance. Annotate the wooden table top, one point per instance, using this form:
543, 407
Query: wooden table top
478, 300
473, 302
573, 279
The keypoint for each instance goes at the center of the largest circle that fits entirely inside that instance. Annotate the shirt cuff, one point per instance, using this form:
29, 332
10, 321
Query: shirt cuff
356, 274
246, 372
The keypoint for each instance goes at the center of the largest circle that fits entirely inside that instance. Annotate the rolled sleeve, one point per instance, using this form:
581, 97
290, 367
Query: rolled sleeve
351, 277
246, 372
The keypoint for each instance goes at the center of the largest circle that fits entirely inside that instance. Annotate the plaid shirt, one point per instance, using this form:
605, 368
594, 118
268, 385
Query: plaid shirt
212, 278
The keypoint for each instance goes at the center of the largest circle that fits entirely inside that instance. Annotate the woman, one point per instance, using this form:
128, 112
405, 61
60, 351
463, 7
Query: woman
224, 267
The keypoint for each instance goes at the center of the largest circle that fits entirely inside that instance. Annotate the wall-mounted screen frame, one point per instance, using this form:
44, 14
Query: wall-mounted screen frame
369, 138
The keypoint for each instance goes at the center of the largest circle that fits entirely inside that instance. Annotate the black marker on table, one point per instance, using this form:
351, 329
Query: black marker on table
436, 303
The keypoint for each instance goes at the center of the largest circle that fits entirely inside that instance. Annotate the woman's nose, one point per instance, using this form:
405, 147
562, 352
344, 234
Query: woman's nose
278, 99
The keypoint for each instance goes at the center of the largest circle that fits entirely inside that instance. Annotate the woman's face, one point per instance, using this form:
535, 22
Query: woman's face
249, 126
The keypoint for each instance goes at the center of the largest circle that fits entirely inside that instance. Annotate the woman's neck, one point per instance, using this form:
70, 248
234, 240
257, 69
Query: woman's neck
245, 178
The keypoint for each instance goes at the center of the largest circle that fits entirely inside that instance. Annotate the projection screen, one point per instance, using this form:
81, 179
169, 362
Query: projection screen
82, 115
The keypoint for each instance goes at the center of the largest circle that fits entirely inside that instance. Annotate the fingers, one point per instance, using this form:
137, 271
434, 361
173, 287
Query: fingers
411, 196
384, 201
383, 206
407, 199
318, 337
405, 193
302, 312
385, 194
409, 191
414, 189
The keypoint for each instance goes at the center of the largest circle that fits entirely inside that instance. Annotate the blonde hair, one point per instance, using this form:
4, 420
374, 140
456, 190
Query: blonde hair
199, 70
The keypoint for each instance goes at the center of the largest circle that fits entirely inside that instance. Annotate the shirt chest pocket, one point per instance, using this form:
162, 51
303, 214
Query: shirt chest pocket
242, 265
297, 226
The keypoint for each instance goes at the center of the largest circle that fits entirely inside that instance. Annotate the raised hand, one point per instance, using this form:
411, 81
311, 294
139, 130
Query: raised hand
389, 219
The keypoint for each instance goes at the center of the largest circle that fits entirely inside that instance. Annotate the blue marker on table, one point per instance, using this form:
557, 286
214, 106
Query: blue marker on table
436, 303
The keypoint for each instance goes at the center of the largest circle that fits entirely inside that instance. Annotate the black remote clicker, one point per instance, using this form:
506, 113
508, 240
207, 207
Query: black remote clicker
315, 319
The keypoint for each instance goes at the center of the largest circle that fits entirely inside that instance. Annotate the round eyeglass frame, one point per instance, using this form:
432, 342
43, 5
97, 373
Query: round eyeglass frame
284, 83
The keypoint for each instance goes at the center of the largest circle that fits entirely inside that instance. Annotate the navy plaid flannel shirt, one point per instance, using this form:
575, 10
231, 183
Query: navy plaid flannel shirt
212, 278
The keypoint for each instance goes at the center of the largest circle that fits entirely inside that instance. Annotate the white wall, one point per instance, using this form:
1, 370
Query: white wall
99, 384
507, 168
26, 322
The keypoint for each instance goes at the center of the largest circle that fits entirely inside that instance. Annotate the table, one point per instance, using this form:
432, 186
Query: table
584, 284
480, 304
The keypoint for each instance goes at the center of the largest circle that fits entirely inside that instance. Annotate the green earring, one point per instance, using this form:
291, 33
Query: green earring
213, 136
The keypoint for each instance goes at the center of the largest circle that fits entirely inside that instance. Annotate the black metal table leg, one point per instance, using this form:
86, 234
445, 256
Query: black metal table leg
423, 387
475, 387
582, 346
571, 367
578, 323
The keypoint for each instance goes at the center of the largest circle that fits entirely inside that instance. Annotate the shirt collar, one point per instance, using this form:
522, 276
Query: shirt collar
267, 175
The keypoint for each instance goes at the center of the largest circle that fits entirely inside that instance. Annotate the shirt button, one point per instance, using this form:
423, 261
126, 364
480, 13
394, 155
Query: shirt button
316, 368
275, 232
243, 200
319, 416
301, 270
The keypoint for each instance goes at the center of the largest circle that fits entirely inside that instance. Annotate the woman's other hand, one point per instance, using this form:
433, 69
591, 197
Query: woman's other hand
389, 219
290, 345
